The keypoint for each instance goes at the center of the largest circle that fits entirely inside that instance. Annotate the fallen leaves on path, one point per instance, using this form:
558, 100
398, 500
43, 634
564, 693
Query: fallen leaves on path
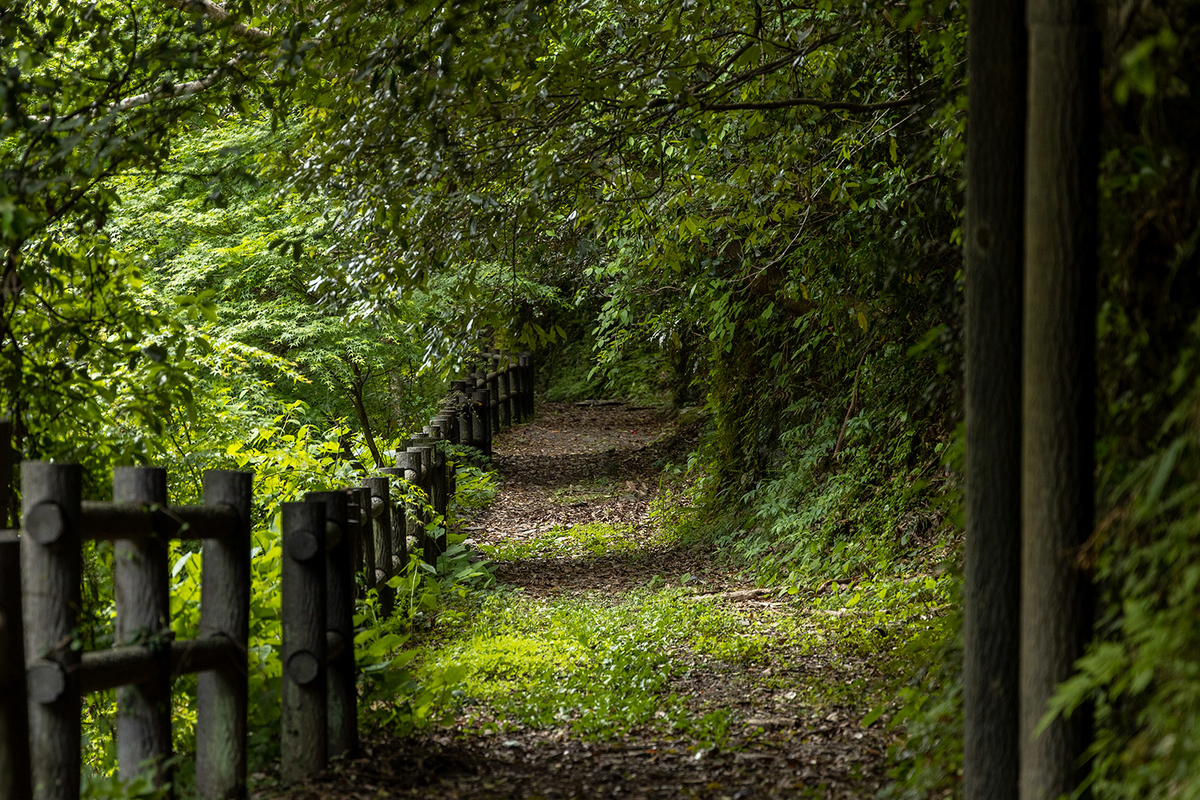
601, 464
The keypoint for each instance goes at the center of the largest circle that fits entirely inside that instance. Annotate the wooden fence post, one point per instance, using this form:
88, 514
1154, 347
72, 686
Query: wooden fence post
449, 426
359, 509
504, 381
304, 735
15, 781
435, 486
462, 414
221, 694
352, 534
517, 377
51, 595
424, 449
441, 485
366, 532
14, 716
525, 359
381, 532
399, 524
339, 618
6, 492
410, 462
437, 460
493, 385
514, 386
142, 590
442, 421
481, 420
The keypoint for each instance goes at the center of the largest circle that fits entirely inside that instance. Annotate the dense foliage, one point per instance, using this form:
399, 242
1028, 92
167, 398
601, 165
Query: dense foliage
259, 238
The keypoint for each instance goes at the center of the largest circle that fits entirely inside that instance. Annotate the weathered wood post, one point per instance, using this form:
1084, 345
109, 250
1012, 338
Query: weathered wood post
502, 371
438, 481
481, 420
352, 534
414, 524
423, 442
341, 693
6, 492
304, 739
15, 782
366, 531
221, 694
493, 385
505, 383
381, 532
442, 484
462, 413
51, 596
437, 488
423, 446
449, 427
514, 386
442, 421
517, 379
398, 524
359, 521
142, 588
526, 362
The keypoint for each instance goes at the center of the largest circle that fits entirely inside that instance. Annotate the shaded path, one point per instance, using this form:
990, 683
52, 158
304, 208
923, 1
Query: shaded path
575, 466
794, 708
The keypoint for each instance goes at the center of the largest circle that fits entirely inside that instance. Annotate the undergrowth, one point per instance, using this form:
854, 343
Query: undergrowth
607, 668
865, 536
587, 539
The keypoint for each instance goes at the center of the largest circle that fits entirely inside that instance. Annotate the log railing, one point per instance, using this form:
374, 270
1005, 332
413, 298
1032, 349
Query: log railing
327, 538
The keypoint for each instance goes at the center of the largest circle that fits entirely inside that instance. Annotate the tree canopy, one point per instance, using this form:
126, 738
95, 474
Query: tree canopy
260, 234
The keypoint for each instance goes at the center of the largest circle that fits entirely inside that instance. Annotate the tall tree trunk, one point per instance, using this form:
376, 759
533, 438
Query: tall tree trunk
357, 387
994, 250
1060, 314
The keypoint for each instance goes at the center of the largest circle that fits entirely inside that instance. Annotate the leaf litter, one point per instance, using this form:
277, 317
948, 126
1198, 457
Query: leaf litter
790, 708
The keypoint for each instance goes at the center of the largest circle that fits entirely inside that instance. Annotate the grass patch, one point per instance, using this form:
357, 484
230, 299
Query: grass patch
602, 670
607, 670
589, 539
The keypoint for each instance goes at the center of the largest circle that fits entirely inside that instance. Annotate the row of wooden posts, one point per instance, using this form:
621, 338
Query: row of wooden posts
327, 538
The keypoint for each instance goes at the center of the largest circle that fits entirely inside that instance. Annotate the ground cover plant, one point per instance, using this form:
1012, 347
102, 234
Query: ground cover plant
595, 538
262, 235
650, 646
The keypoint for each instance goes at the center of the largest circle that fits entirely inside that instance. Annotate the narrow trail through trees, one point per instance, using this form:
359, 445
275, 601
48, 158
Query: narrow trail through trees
629, 663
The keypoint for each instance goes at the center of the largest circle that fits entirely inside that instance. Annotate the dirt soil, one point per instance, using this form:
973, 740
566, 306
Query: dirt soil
579, 464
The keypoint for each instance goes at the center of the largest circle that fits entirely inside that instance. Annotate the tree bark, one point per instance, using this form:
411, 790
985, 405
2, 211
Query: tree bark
993, 248
1059, 374
360, 408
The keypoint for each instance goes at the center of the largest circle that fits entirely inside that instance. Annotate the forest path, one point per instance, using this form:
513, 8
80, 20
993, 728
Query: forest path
618, 663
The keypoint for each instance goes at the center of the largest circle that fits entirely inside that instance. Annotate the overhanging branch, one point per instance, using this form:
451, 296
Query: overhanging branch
218, 13
168, 91
828, 105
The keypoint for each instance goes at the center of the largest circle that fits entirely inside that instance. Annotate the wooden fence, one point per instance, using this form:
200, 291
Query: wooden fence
327, 538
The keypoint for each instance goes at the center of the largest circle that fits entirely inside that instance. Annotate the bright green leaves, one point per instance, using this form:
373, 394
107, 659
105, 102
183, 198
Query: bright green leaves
1142, 64
598, 667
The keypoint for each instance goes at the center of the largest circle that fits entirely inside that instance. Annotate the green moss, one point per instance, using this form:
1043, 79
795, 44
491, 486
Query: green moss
590, 539
601, 669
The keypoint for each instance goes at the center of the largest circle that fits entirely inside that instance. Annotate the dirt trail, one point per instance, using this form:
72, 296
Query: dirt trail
577, 465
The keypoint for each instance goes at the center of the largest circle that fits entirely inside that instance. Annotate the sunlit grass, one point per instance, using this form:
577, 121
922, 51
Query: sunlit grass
590, 539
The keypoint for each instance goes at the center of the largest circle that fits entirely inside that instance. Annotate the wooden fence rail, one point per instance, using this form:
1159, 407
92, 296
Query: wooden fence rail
331, 541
